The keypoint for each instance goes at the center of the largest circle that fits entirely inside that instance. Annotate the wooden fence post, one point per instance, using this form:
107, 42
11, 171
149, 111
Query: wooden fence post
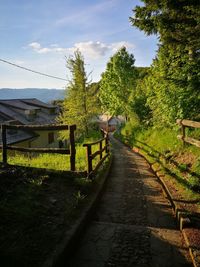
72, 128
102, 132
4, 143
89, 160
100, 149
107, 143
183, 134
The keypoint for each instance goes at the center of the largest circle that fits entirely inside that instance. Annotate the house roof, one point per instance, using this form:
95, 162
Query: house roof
17, 103
15, 109
20, 110
104, 118
109, 118
12, 114
37, 103
18, 136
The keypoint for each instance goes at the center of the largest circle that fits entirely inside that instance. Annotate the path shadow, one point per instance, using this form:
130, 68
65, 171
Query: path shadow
180, 179
133, 225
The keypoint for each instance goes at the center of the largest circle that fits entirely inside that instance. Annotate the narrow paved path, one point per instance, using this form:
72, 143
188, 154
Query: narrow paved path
133, 224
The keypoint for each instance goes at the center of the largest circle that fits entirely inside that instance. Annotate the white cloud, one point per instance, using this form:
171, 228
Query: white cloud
36, 46
43, 50
90, 49
118, 45
96, 50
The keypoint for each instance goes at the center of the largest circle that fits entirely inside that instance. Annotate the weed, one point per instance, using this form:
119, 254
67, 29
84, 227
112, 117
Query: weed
38, 181
79, 197
183, 167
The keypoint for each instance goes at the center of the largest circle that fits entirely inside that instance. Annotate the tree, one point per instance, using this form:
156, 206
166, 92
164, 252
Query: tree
138, 97
169, 92
176, 21
174, 80
80, 102
117, 82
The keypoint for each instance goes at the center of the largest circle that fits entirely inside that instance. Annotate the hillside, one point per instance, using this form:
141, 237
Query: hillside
45, 95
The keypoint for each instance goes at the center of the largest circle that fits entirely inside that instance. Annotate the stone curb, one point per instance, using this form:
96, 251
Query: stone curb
181, 216
194, 249
66, 247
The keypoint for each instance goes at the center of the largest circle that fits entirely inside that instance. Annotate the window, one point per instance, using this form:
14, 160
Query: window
31, 114
50, 138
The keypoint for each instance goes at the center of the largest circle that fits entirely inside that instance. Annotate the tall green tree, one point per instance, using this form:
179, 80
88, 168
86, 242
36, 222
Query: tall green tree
174, 80
79, 105
138, 97
117, 82
172, 87
176, 21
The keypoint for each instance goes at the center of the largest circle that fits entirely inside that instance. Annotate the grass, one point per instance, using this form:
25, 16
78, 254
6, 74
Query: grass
49, 161
57, 161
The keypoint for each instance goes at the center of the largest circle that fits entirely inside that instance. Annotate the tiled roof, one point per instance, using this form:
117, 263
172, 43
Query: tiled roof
15, 109
19, 104
38, 103
18, 109
17, 137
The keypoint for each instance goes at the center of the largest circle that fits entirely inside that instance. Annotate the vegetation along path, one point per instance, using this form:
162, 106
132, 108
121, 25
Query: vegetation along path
133, 224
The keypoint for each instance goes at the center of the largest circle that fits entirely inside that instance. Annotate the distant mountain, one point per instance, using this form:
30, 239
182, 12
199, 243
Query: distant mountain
45, 95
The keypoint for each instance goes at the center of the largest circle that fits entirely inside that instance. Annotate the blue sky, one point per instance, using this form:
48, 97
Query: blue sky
39, 34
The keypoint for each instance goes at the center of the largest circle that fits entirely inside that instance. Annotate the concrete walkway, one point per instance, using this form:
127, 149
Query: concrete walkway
133, 224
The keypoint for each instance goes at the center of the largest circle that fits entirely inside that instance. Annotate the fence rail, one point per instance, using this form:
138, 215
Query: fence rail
71, 151
40, 150
90, 156
183, 137
103, 146
46, 127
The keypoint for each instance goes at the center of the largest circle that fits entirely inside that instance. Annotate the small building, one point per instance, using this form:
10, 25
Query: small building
29, 112
110, 123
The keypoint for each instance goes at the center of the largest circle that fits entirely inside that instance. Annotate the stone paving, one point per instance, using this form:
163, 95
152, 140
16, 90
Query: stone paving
133, 224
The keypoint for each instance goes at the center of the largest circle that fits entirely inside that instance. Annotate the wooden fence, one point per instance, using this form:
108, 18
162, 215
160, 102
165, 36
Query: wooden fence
90, 156
71, 151
183, 137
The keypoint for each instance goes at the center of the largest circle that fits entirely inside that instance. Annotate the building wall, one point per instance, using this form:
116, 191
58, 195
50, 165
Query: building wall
112, 128
22, 144
41, 141
103, 125
106, 127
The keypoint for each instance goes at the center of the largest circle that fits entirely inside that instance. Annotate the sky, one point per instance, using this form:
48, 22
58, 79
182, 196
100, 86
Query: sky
41, 34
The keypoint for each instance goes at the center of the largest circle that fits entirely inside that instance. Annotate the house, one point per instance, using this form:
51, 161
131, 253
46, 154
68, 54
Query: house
29, 112
110, 123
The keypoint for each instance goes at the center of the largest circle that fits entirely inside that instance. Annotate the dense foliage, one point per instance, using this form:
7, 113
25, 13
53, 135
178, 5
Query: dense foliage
138, 98
117, 83
172, 86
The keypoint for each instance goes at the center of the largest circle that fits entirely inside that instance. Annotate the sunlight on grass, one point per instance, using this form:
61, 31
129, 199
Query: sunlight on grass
54, 161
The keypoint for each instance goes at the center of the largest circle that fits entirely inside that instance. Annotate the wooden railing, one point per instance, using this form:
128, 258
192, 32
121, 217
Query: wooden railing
183, 137
71, 151
90, 156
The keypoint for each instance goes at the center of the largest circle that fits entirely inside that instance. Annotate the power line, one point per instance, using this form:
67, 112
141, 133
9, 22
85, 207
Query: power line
34, 71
